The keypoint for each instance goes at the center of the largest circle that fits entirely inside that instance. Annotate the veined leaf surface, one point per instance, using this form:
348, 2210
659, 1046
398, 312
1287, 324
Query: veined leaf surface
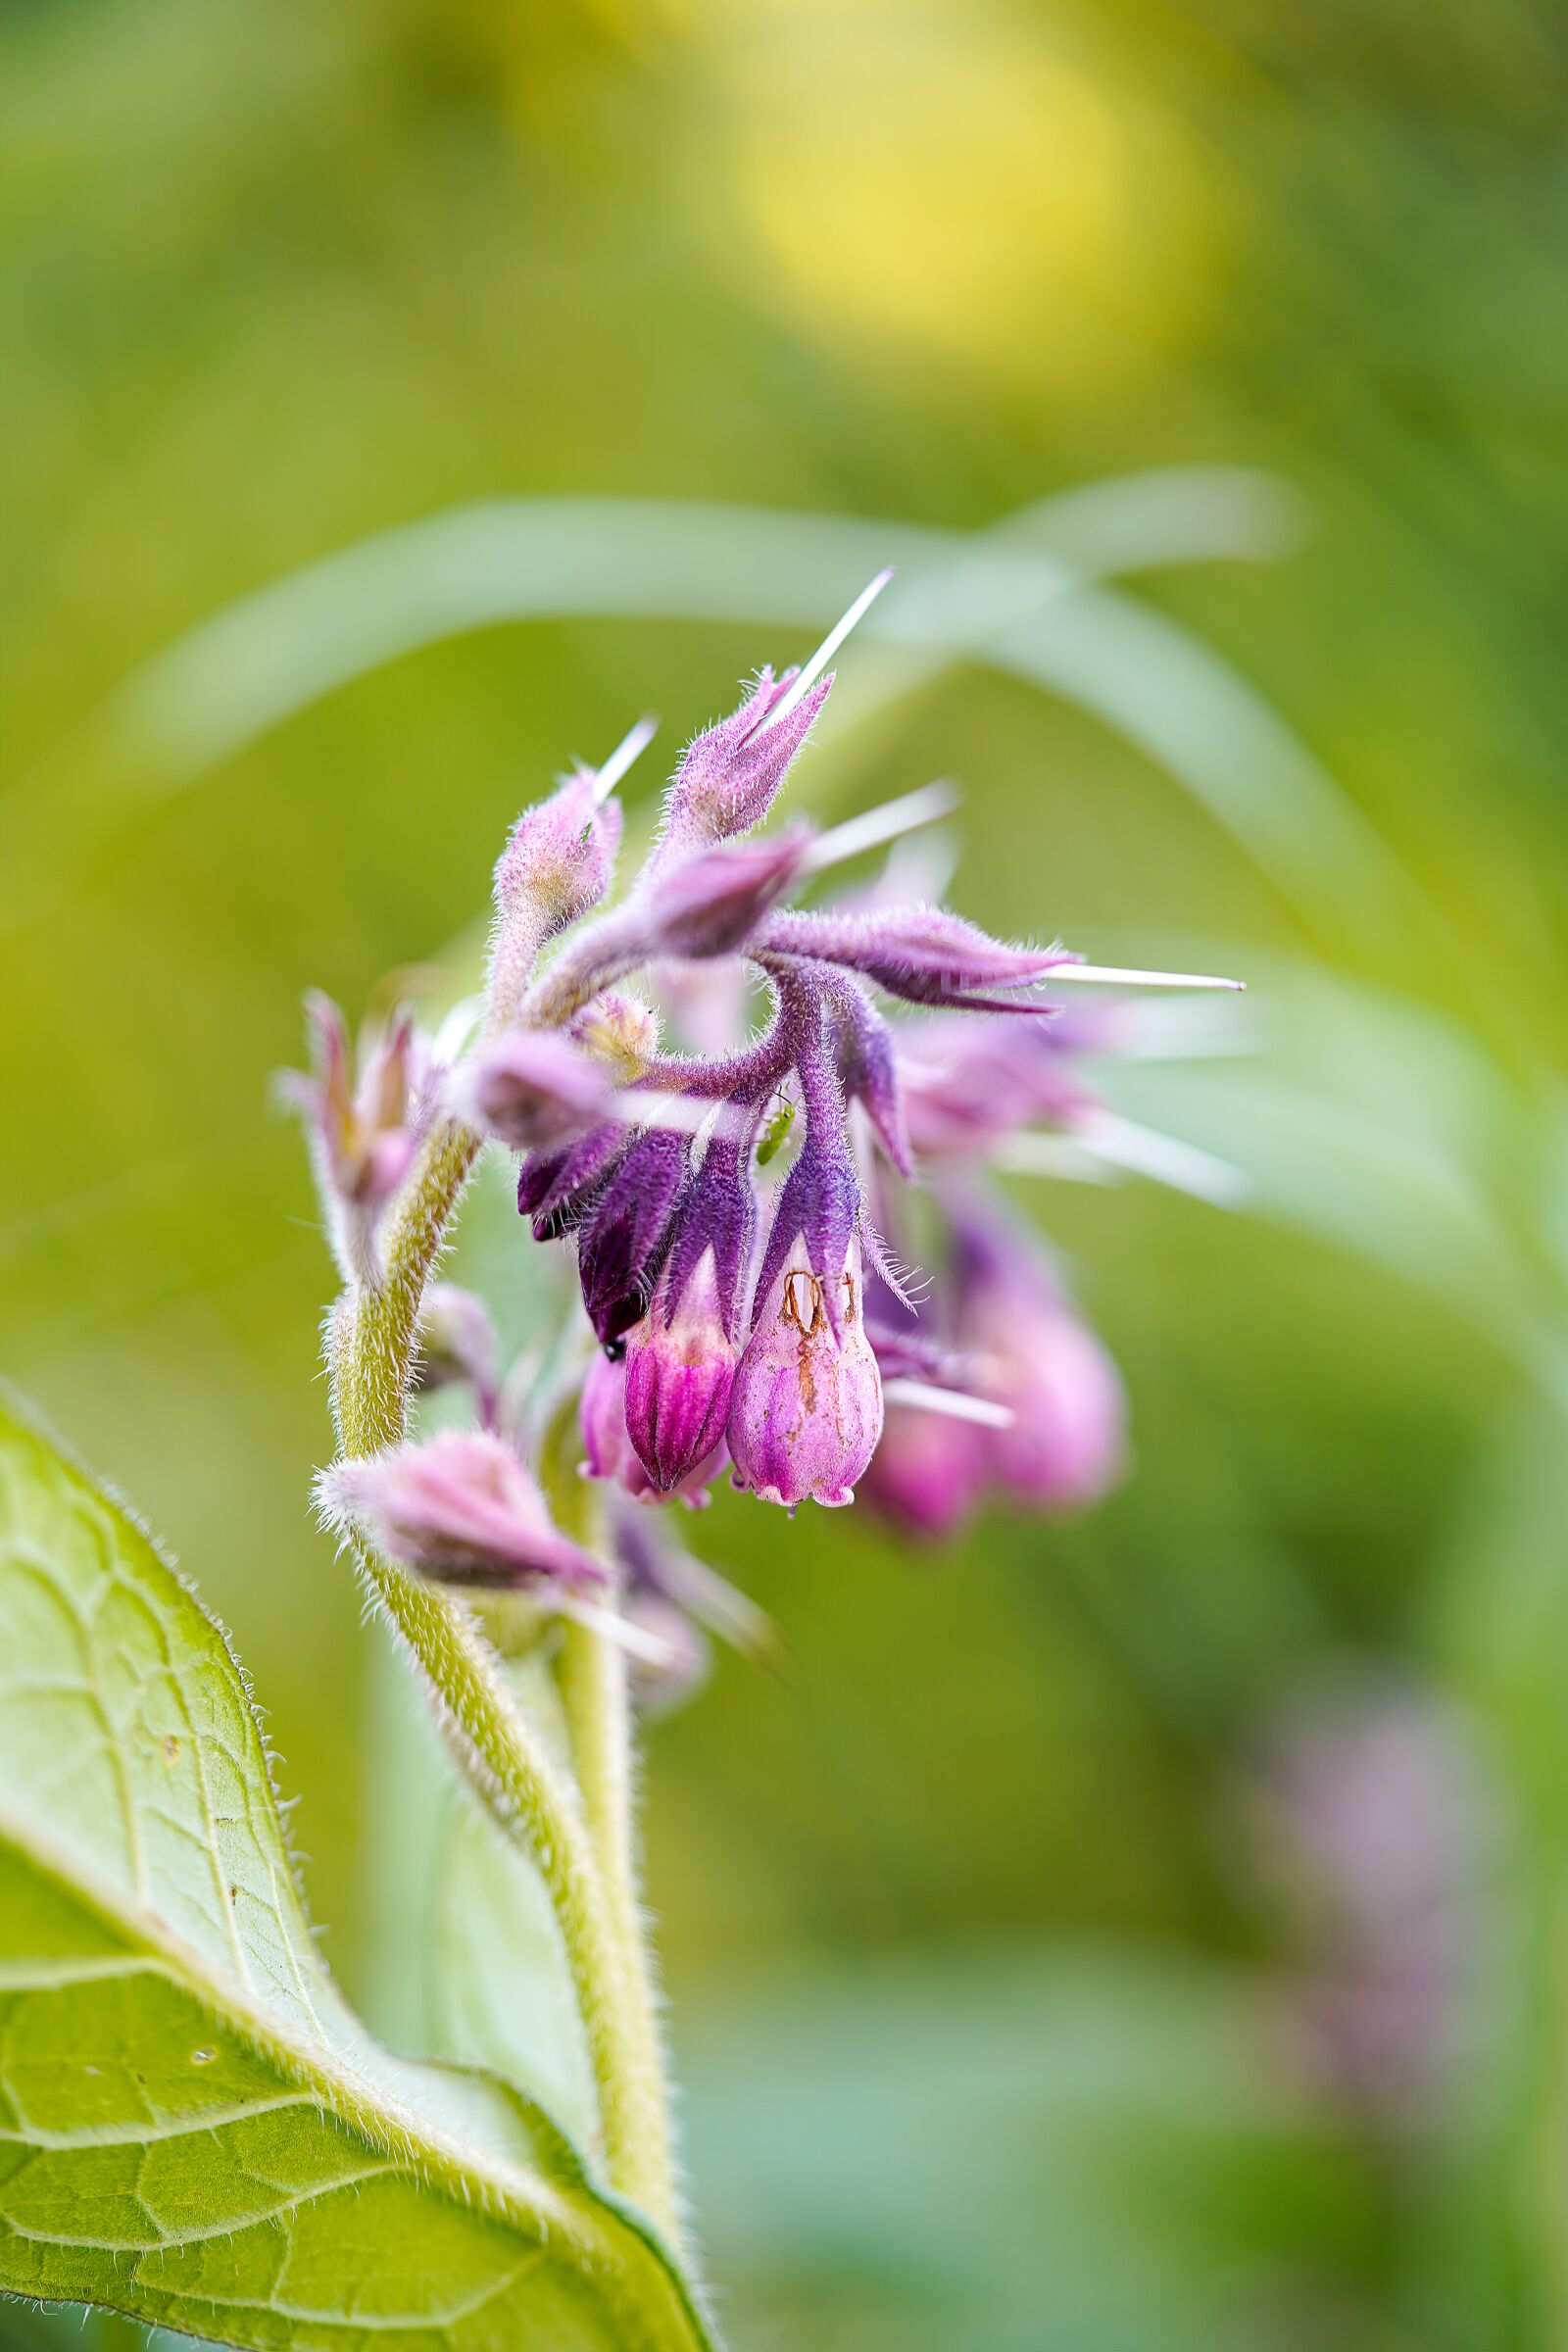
194, 2128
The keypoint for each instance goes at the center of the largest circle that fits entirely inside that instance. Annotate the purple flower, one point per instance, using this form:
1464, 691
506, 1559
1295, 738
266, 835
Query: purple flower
805, 1411
1374, 1829
364, 1126
919, 953
777, 1372
680, 1362
456, 1341
928, 1473
607, 1444
459, 1508
730, 774
622, 1241
1017, 1347
559, 859
533, 1091
1038, 1358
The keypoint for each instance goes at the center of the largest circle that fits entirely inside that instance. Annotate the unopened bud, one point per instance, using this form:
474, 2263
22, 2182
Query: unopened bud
621, 1246
680, 1361
711, 903
620, 1031
364, 1126
557, 864
459, 1508
729, 776
532, 1090
607, 1447
922, 954
457, 1343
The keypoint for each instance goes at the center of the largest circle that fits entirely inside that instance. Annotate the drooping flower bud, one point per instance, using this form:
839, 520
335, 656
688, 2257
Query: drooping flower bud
679, 1659
807, 1409
869, 1072
456, 1341
1039, 1359
928, 1472
557, 863
459, 1508
557, 1189
364, 1129
680, 1362
620, 1244
730, 774
533, 1091
968, 1086
710, 902
606, 1444
921, 953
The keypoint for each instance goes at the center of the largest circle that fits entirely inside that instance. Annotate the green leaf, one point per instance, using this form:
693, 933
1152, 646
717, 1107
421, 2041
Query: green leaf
194, 2128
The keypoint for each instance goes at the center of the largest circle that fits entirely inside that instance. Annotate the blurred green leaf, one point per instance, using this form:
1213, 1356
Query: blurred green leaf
1021, 2151
195, 2129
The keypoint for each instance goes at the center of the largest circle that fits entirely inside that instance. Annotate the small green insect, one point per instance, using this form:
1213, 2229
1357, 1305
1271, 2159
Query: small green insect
774, 1134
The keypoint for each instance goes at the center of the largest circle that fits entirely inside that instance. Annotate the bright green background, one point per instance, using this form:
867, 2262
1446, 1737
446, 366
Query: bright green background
961, 1937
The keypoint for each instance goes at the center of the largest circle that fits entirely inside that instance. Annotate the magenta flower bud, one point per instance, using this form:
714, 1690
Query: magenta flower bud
533, 1091
607, 1447
711, 903
559, 858
868, 1070
805, 1411
1068, 1441
680, 1362
665, 1681
729, 776
459, 1508
558, 1189
928, 1473
364, 1127
558, 865
966, 1087
919, 953
456, 1341
621, 1242
1038, 1358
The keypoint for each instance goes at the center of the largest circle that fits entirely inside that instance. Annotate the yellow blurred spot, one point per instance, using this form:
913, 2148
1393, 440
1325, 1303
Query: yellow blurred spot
947, 180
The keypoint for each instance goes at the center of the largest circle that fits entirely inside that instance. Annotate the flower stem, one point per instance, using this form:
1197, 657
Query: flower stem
592, 1675
372, 1348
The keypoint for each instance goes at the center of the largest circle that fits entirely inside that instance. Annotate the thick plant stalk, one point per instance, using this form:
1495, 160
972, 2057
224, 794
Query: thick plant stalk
593, 1686
565, 1834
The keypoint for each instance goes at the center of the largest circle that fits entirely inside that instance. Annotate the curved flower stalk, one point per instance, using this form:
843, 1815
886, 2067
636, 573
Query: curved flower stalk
722, 1207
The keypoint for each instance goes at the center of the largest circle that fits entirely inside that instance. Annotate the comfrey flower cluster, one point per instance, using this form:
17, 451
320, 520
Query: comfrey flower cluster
744, 1321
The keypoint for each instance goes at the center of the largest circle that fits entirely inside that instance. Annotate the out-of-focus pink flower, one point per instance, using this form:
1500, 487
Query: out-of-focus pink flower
1373, 1827
456, 1341
459, 1508
364, 1125
533, 1091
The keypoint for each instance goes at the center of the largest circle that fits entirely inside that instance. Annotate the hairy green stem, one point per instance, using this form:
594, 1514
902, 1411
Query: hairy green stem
592, 1675
372, 1348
